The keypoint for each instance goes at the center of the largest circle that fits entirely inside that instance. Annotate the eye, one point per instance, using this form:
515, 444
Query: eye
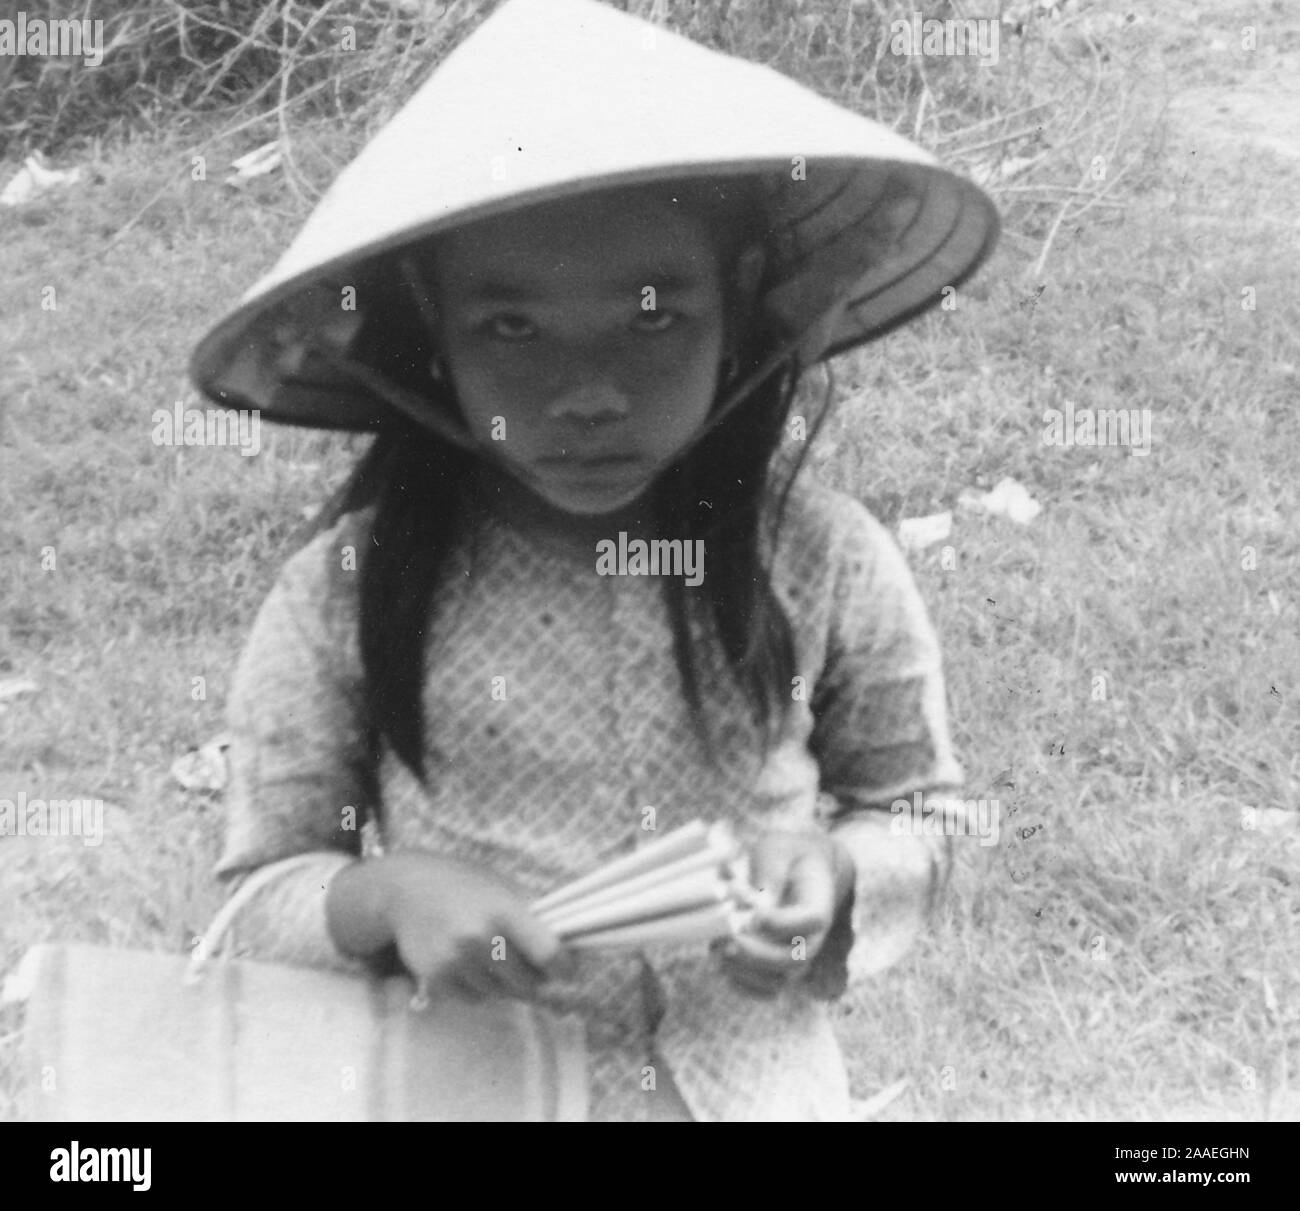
510, 326
658, 320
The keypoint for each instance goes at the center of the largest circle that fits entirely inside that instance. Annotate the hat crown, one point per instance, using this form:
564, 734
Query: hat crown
551, 98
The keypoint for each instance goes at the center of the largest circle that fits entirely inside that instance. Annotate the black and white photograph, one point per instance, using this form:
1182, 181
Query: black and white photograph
650, 561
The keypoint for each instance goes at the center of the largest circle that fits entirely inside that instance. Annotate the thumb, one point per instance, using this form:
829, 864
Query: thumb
536, 942
808, 899
812, 881
769, 867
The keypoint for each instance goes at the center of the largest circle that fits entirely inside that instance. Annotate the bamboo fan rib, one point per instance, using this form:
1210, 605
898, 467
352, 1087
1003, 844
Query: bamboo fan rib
691, 885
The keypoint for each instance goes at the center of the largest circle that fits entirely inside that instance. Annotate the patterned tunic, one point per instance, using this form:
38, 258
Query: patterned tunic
554, 716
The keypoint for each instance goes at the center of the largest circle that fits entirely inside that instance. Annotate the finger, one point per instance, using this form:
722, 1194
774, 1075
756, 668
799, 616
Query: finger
766, 978
812, 883
785, 924
796, 948
749, 960
760, 951
533, 940
473, 967
515, 977
808, 902
769, 862
796, 935
434, 964
787, 955
498, 969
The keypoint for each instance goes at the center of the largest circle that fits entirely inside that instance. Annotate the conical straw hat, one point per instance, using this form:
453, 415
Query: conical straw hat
549, 99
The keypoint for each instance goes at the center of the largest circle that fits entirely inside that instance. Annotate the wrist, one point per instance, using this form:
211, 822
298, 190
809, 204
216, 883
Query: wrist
360, 907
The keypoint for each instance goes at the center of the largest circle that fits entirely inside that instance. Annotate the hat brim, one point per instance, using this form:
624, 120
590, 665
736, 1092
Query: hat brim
864, 232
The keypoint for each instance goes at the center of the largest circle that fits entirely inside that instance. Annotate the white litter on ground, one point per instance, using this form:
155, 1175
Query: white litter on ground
35, 178
15, 687
1009, 498
204, 769
917, 533
867, 1108
257, 163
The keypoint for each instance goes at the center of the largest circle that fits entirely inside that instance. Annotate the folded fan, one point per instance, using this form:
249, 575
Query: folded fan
691, 885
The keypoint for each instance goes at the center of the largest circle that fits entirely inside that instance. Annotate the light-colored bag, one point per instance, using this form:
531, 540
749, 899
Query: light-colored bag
127, 1036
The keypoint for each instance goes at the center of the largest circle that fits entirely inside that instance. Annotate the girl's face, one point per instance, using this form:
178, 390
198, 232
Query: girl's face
583, 339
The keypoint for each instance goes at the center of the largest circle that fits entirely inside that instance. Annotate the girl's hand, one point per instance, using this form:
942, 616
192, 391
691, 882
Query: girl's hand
807, 876
452, 923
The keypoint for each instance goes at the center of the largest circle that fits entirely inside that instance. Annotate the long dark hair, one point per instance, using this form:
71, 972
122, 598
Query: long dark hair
719, 492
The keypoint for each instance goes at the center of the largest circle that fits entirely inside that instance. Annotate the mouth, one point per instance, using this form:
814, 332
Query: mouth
589, 462
587, 473
593, 469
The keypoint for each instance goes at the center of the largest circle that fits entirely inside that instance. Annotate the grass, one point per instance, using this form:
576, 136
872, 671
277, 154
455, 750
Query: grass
1126, 950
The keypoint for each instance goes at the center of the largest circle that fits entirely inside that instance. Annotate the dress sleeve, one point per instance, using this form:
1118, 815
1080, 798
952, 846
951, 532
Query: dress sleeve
299, 754
880, 735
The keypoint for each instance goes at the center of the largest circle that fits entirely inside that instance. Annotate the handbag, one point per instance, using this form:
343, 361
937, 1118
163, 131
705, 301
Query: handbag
114, 1035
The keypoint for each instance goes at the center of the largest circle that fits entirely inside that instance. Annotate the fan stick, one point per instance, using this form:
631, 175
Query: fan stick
702, 925
680, 843
616, 893
691, 891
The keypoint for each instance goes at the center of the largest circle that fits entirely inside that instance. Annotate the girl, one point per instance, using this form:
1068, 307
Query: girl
572, 315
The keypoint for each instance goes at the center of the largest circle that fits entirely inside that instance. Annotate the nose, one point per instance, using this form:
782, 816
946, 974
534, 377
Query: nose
590, 401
